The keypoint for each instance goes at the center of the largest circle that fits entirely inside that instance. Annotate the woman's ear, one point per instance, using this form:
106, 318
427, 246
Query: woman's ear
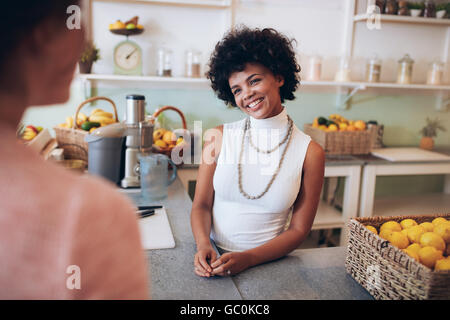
280, 80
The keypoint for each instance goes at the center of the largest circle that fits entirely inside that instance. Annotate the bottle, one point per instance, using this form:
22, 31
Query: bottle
373, 69
164, 62
430, 9
193, 64
403, 8
315, 68
391, 7
405, 66
435, 73
343, 74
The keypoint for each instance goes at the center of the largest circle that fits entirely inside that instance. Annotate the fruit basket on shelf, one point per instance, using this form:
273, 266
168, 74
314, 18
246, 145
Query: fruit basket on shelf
70, 135
164, 140
339, 136
405, 260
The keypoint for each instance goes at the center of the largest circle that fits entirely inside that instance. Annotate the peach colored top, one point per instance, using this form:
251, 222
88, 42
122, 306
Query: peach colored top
52, 219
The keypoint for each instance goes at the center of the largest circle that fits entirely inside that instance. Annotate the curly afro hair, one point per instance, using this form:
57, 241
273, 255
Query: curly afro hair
243, 45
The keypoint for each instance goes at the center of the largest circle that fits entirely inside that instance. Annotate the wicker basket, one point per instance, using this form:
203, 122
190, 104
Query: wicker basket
167, 151
386, 271
341, 142
72, 139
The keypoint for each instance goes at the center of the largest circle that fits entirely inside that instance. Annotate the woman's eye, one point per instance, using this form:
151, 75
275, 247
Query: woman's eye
236, 91
253, 81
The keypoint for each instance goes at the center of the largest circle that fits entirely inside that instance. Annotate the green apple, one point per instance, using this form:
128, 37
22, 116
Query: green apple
131, 26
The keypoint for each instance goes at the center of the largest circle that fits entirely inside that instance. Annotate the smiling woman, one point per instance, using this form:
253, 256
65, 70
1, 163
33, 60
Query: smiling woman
264, 168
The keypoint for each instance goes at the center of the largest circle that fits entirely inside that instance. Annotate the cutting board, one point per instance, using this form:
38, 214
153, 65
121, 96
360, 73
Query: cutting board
156, 232
409, 154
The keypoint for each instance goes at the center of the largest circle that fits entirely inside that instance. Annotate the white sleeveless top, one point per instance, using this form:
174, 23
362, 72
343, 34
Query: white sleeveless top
239, 223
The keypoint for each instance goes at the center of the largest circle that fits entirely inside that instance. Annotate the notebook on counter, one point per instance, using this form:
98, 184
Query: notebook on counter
156, 232
409, 154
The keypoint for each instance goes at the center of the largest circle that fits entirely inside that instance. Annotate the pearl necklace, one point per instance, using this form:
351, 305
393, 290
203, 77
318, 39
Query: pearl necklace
286, 138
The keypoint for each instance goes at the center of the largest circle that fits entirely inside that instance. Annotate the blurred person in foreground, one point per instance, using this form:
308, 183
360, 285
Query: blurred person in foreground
62, 235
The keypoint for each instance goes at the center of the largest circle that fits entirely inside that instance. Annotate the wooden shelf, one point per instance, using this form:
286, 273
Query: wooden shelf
432, 203
206, 83
223, 4
327, 217
403, 19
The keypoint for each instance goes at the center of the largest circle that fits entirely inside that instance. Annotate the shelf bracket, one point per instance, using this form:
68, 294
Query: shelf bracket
442, 102
89, 88
344, 95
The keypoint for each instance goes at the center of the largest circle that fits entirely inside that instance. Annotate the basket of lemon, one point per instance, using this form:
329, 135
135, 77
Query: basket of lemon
164, 140
338, 135
402, 257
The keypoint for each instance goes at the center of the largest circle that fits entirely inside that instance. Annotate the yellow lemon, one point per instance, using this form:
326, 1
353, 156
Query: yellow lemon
405, 232
414, 233
392, 225
386, 233
343, 126
442, 264
332, 127
408, 223
399, 240
443, 230
160, 143
429, 255
433, 240
360, 125
373, 229
169, 137
428, 226
179, 140
414, 247
439, 220
412, 254
158, 134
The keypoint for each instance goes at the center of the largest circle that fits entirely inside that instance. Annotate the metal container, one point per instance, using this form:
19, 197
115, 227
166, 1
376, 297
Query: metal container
135, 113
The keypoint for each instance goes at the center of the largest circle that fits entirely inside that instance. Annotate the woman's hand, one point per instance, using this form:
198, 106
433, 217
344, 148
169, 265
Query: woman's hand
202, 267
231, 263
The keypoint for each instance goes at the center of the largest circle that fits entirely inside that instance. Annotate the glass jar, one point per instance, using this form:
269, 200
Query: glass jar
435, 73
430, 9
373, 70
193, 64
380, 4
314, 68
403, 8
343, 74
391, 7
164, 62
405, 67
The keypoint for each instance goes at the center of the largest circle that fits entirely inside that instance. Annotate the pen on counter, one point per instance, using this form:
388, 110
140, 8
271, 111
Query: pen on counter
145, 213
149, 207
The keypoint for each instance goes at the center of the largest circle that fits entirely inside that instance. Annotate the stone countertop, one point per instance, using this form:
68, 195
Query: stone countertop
303, 274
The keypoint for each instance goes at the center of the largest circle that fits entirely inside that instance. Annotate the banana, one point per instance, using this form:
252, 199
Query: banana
96, 110
69, 122
103, 114
103, 120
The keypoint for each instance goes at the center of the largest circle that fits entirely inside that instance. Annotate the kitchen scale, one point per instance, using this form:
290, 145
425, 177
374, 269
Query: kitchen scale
127, 54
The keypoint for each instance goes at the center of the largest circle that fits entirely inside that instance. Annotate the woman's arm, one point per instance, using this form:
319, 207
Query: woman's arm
305, 207
203, 202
